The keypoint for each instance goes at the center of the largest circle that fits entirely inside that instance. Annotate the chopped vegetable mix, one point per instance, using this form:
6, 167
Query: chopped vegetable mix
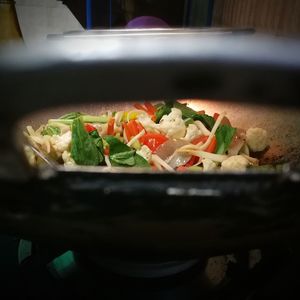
164, 136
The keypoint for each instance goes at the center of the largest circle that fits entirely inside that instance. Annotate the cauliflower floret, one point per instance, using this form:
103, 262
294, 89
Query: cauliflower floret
61, 143
235, 163
192, 132
147, 123
208, 164
172, 124
257, 139
145, 152
68, 160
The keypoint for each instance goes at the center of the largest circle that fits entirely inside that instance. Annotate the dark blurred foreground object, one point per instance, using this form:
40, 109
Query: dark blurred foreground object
9, 25
26, 273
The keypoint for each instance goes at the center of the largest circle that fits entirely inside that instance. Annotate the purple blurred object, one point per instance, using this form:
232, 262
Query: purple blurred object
146, 22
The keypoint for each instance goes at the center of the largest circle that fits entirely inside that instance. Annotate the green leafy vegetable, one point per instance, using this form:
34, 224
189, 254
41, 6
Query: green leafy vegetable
207, 120
124, 158
98, 142
115, 145
141, 162
161, 110
224, 136
83, 148
51, 130
121, 154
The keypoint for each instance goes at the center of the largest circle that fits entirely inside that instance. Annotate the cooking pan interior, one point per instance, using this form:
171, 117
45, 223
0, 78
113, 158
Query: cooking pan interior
282, 124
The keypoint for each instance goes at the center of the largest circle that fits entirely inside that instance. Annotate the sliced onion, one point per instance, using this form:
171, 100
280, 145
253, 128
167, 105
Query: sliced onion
178, 159
169, 147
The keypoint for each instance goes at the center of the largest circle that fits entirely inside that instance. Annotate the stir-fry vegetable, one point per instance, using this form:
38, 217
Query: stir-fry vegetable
164, 136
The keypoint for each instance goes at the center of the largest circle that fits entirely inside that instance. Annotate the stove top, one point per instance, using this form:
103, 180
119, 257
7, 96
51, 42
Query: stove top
30, 271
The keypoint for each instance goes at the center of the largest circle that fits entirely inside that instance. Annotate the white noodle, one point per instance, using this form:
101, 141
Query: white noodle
156, 158
203, 154
107, 161
213, 131
135, 138
30, 130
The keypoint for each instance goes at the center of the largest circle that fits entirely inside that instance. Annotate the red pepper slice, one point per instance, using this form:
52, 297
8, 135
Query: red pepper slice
127, 131
110, 126
106, 151
153, 140
132, 125
132, 128
150, 108
140, 107
89, 127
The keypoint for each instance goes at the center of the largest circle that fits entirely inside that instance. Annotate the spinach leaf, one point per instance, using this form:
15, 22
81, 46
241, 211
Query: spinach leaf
83, 148
141, 162
98, 142
207, 120
187, 112
161, 110
115, 145
224, 135
124, 158
51, 130
71, 116
122, 155
119, 153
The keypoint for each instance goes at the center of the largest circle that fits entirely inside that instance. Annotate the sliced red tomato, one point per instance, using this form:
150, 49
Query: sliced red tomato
110, 126
203, 138
153, 140
89, 127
